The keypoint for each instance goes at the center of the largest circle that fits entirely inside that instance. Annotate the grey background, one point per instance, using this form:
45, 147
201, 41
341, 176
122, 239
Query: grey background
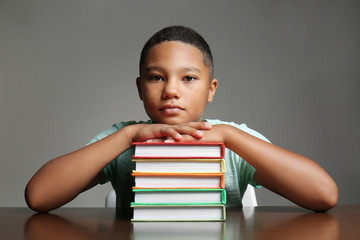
288, 69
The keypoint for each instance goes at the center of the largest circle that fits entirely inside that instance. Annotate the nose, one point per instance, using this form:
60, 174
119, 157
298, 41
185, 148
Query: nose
171, 89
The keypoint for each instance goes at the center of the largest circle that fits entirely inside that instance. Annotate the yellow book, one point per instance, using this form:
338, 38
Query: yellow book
186, 165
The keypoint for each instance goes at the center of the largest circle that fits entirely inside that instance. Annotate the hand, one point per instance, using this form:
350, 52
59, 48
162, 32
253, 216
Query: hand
165, 132
217, 133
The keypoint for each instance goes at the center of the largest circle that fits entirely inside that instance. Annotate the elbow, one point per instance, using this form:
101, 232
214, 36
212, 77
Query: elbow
331, 200
327, 198
35, 201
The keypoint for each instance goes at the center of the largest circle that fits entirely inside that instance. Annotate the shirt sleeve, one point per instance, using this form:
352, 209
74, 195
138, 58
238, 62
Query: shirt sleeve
108, 170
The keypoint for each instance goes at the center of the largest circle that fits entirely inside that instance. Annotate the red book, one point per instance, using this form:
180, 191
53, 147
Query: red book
179, 150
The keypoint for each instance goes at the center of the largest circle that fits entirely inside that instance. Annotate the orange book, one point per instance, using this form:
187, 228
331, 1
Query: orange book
179, 180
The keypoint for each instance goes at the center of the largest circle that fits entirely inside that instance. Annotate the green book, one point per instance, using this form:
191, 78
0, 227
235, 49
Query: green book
179, 196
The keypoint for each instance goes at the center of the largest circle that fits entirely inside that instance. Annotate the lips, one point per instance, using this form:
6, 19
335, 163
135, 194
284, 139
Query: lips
171, 109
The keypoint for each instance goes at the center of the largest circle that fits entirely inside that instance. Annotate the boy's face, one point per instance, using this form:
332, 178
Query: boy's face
174, 84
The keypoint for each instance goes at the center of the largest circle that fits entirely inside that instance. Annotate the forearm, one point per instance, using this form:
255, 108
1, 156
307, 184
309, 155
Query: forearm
291, 175
63, 178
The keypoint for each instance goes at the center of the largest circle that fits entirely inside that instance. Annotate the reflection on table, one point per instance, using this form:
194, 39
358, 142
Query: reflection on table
247, 223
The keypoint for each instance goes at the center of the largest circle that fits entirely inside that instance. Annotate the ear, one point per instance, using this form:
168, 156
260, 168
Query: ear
212, 89
139, 87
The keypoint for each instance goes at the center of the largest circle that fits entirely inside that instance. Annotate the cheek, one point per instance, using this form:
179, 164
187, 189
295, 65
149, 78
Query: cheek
198, 99
200, 94
150, 93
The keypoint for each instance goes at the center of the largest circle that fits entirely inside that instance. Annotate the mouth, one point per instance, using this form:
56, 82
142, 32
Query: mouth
171, 109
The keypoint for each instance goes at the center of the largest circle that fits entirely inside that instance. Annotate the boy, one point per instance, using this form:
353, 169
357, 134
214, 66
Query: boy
175, 84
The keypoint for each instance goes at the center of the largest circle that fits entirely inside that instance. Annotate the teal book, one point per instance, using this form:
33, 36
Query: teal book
179, 196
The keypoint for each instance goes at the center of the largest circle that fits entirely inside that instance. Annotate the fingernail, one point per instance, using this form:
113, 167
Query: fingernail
178, 136
199, 133
208, 125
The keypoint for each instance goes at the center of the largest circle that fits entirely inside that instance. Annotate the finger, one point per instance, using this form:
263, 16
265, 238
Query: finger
199, 125
187, 130
169, 132
169, 140
189, 138
157, 140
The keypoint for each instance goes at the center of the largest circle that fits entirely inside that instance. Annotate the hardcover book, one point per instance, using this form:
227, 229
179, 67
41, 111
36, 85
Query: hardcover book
178, 180
179, 196
179, 150
179, 230
179, 213
180, 165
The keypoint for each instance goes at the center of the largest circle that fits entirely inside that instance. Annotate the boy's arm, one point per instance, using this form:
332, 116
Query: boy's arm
63, 178
291, 175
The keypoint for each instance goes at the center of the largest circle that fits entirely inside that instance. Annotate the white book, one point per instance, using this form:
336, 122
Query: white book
180, 165
179, 230
173, 196
179, 213
178, 180
179, 150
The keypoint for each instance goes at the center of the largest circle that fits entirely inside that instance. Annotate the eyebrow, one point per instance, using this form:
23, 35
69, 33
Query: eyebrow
191, 69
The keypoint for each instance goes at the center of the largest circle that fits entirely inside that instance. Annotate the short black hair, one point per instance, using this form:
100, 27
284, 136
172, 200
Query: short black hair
182, 34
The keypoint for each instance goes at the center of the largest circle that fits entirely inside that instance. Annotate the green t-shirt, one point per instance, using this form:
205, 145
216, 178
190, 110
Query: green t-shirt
237, 176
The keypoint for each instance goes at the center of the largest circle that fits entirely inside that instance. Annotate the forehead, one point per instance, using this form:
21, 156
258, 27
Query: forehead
174, 51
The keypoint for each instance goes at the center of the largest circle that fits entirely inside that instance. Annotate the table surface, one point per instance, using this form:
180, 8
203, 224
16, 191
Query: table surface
285, 222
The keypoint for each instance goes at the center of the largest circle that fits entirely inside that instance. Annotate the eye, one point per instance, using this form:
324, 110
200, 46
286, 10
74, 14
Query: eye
189, 78
155, 78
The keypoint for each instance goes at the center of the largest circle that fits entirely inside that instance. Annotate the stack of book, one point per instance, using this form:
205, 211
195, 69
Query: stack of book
179, 182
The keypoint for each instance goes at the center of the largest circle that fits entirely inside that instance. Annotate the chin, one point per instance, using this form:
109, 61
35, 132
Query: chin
171, 121
168, 120
174, 121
